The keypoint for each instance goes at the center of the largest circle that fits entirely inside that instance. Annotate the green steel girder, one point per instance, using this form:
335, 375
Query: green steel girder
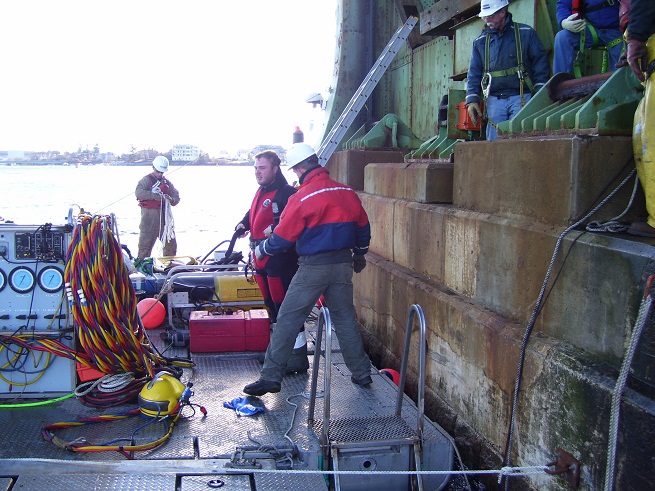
608, 110
439, 146
389, 132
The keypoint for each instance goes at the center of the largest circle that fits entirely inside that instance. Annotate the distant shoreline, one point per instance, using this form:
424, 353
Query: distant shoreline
125, 164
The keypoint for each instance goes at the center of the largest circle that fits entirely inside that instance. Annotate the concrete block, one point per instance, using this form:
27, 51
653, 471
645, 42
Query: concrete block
419, 242
385, 179
429, 182
553, 181
347, 166
420, 182
380, 215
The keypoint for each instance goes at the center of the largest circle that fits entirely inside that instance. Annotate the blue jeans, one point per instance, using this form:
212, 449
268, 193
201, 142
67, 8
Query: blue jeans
334, 281
502, 109
567, 45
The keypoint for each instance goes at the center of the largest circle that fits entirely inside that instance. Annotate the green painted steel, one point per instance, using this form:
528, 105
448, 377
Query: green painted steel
389, 132
605, 111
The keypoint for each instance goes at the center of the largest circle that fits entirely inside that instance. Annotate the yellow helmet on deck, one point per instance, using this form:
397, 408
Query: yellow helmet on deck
160, 396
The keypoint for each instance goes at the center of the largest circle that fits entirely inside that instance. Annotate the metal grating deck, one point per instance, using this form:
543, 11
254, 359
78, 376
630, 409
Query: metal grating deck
200, 447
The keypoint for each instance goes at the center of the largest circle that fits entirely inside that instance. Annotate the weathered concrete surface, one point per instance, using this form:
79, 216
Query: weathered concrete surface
502, 264
473, 353
381, 216
347, 166
420, 182
478, 269
551, 181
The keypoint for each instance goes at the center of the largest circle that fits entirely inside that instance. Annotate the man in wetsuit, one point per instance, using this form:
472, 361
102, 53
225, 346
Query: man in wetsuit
273, 274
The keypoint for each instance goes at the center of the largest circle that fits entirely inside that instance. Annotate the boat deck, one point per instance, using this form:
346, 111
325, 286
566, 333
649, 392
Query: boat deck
273, 450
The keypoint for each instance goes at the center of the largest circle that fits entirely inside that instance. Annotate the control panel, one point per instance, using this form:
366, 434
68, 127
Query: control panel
32, 263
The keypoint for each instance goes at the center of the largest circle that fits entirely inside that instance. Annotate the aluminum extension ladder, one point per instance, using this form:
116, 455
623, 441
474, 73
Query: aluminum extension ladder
361, 95
364, 434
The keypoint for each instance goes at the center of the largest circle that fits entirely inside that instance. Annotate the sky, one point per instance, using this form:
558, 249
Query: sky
152, 74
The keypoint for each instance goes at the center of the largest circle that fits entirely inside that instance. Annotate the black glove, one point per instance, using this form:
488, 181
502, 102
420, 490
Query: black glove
241, 226
359, 263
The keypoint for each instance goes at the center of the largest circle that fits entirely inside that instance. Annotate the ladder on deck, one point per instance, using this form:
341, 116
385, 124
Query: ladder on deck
390, 438
362, 94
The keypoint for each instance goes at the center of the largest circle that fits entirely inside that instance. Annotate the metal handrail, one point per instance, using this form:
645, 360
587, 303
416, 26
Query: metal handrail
323, 320
420, 402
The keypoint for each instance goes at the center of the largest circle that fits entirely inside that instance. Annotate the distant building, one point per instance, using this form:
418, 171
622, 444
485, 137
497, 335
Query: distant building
281, 152
184, 153
6, 155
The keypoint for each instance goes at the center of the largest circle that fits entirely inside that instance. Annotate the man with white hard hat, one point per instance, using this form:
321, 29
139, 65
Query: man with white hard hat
156, 195
326, 223
508, 65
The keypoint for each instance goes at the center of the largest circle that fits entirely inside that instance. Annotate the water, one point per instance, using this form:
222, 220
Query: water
213, 199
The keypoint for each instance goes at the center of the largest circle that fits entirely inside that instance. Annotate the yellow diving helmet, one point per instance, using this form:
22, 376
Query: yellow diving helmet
160, 396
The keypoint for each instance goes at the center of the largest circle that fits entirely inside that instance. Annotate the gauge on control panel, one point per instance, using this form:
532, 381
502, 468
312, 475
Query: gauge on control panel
3, 280
21, 279
51, 279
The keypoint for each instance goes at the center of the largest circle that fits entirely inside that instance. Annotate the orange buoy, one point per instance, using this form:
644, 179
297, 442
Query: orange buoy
392, 374
152, 312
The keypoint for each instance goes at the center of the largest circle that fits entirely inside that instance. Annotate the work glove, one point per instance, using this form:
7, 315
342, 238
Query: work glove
474, 111
637, 58
242, 227
259, 251
359, 263
573, 24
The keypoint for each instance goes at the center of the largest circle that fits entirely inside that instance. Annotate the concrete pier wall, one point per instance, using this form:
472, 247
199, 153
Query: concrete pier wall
477, 268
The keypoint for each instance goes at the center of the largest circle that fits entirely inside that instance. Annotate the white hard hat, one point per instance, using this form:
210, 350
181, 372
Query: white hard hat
490, 7
299, 152
160, 163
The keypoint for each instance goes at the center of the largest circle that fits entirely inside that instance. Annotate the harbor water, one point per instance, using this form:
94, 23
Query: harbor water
213, 199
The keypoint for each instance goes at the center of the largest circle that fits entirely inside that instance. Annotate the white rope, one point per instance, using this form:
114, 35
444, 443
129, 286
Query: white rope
642, 316
107, 384
613, 224
504, 471
168, 233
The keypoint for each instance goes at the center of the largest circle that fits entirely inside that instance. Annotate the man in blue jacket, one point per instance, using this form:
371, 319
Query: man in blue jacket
331, 232
586, 23
508, 65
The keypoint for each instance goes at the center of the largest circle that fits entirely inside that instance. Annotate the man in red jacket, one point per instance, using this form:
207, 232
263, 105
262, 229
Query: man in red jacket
327, 224
273, 274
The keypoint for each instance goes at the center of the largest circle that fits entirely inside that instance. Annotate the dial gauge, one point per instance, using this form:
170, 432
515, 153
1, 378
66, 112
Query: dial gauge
21, 279
3, 280
51, 279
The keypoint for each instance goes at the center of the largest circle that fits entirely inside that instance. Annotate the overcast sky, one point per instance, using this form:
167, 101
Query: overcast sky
152, 74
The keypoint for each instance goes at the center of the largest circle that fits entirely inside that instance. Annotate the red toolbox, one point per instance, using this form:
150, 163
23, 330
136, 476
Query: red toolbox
211, 332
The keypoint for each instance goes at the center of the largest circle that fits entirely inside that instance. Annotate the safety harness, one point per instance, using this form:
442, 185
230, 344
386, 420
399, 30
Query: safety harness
578, 8
519, 70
